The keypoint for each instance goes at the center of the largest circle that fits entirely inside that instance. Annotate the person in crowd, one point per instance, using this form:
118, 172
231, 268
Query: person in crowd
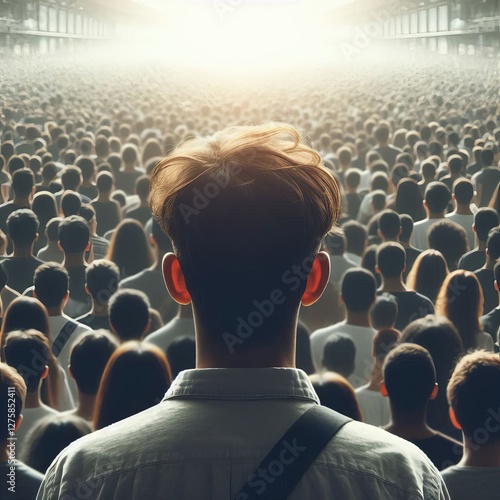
13, 393
463, 192
373, 404
50, 436
389, 226
130, 172
485, 275
454, 164
409, 383
487, 179
49, 174
99, 245
28, 352
491, 321
181, 355
352, 180
387, 151
472, 394
71, 179
339, 354
135, 379
74, 240
477, 164
461, 301
404, 239
108, 211
356, 238
209, 271
22, 226
336, 393
87, 167
391, 262
437, 197
51, 288
150, 280
384, 312
428, 170
335, 245
45, 208
141, 213
71, 203
129, 314
101, 282
409, 200
450, 239
358, 294
428, 274
51, 251
130, 259
378, 182
485, 220
88, 358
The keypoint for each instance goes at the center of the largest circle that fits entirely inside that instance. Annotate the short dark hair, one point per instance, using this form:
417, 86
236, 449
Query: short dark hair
344, 154
129, 313
406, 227
473, 393
389, 224
339, 354
352, 178
104, 182
450, 239
496, 272
463, 190
13, 400
384, 312
437, 196
71, 202
455, 164
87, 211
102, 277
22, 226
378, 199
22, 182
428, 169
89, 357
71, 178
74, 234
493, 243
358, 289
487, 156
129, 153
49, 171
409, 377
51, 282
28, 352
384, 341
391, 259
355, 234
87, 167
52, 228
142, 187
485, 219
382, 133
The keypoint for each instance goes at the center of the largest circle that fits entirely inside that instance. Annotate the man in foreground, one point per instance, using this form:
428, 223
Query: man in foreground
246, 262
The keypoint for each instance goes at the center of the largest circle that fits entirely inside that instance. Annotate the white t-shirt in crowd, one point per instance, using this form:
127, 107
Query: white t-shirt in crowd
419, 235
375, 408
466, 222
363, 339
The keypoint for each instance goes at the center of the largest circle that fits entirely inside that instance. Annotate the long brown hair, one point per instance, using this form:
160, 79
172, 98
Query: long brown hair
25, 313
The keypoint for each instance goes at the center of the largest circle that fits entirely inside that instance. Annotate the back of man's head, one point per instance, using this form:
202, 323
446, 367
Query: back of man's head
89, 357
28, 352
71, 203
22, 182
22, 226
485, 220
344, 155
487, 157
463, 190
450, 239
339, 354
142, 187
104, 182
74, 234
49, 172
129, 154
406, 227
382, 133
378, 200
71, 178
12, 396
51, 284
358, 290
268, 202
493, 244
384, 312
102, 277
52, 229
86, 166
437, 196
389, 224
455, 164
356, 235
129, 314
391, 260
428, 170
473, 395
409, 377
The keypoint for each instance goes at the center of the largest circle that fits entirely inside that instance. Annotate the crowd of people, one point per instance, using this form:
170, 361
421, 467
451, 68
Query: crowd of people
382, 220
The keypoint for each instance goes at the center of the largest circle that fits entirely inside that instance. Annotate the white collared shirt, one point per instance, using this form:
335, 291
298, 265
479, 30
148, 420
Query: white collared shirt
211, 432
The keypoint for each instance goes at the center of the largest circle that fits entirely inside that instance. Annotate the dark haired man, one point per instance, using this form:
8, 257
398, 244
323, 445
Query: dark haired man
463, 192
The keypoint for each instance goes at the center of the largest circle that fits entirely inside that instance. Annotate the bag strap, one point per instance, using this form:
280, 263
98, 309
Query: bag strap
63, 336
283, 467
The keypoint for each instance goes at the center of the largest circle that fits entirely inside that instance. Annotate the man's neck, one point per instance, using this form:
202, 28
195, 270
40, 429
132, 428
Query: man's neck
405, 244
489, 264
55, 311
100, 310
85, 408
481, 246
129, 167
358, 319
376, 377
104, 197
32, 400
462, 209
484, 455
185, 312
409, 425
392, 285
23, 253
74, 260
436, 215
21, 202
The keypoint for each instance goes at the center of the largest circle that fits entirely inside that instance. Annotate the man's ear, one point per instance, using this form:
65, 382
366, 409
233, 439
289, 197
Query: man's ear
495, 284
377, 270
87, 248
317, 279
45, 373
383, 389
434, 392
59, 246
174, 279
454, 420
87, 291
474, 227
71, 372
18, 422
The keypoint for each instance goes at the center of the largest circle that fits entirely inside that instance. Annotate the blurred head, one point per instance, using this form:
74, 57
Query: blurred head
437, 197
384, 312
463, 191
358, 290
493, 244
101, 279
356, 237
450, 239
74, 235
71, 178
51, 282
339, 354
406, 228
129, 314
335, 243
485, 220
52, 229
44, 206
22, 226
71, 202
389, 225
409, 200
391, 260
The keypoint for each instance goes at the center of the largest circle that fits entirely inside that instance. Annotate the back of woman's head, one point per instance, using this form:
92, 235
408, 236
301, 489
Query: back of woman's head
428, 273
336, 393
409, 200
151, 149
135, 378
461, 301
45, 207
50, 436
129, 248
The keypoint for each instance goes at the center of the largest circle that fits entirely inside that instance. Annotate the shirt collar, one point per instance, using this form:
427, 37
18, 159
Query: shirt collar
242, 384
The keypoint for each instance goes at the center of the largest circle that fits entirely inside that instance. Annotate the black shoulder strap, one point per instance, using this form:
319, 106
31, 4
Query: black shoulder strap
284, 466
63, 336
